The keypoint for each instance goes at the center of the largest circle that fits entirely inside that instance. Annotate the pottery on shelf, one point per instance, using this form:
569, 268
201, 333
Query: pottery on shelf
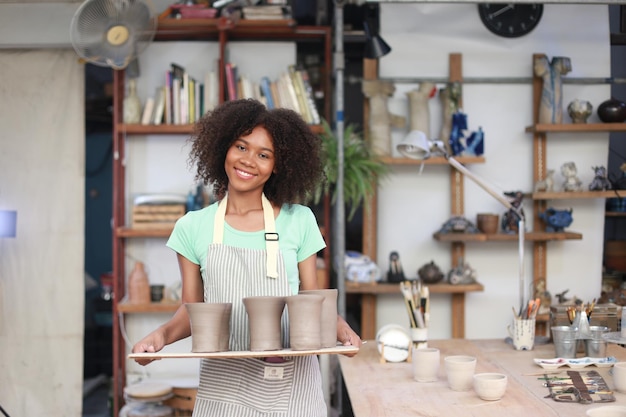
264, 320
132, 104
329, 316
138, 285
210, 326
305, 321
579, 110
612, 111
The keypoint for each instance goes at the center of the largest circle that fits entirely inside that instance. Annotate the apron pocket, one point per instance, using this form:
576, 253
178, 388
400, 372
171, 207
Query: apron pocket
252, 383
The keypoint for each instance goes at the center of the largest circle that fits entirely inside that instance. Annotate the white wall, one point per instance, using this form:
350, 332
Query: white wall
42, 170
412, 207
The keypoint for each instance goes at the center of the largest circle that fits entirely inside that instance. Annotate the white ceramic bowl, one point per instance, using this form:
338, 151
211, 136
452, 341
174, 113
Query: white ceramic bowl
490, 386
607, 411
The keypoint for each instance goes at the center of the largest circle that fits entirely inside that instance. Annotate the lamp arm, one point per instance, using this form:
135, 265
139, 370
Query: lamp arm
459, 167
522, 280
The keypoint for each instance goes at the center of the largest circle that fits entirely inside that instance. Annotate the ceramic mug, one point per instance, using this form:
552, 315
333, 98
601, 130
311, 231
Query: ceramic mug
523, 333
619, 376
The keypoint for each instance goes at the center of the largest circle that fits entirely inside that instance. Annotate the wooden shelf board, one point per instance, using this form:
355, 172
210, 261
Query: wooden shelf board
572, 195
168, 129
147, 308
530, 236
615, 214
128, 232
385, 288
432, 161
581, 127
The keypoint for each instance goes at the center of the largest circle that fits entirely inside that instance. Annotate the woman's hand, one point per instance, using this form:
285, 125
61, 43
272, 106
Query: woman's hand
346, 335
152, 343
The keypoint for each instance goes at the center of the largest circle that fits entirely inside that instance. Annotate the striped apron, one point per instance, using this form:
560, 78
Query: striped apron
252, 387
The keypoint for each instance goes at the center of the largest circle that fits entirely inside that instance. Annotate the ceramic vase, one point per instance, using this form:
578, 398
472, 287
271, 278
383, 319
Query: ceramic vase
612, 111
329, 316
132, 104
264, 320
138, 285
305, 319
210, 326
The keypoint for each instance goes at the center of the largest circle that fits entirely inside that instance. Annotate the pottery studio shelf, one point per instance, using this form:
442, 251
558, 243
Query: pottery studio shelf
342, 350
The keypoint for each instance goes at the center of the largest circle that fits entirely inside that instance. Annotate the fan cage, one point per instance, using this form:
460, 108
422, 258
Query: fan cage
95, 18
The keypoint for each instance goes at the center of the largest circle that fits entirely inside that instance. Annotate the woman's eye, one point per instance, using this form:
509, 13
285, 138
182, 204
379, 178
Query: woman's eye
263, 156
241, 147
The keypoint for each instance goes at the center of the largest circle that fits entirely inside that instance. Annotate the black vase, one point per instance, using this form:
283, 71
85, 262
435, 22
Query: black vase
612, 111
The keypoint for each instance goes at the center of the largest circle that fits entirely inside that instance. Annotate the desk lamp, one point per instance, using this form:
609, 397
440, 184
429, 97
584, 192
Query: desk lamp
417, 146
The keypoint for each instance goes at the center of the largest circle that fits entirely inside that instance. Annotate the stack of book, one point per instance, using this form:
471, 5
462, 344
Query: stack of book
183, 99
265, 12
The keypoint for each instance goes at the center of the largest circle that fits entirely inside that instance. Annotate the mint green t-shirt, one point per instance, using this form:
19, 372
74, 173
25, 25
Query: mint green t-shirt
298, 237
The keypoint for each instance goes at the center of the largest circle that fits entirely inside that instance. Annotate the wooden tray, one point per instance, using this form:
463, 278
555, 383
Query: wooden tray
245, 353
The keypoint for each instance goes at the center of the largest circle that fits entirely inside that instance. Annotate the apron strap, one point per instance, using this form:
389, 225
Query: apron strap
271, 237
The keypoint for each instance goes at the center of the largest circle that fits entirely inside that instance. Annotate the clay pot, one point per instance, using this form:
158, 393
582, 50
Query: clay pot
305, 321
210, 326
138, 285
430, 273
612, 111
329, 316
264, 319
487, 223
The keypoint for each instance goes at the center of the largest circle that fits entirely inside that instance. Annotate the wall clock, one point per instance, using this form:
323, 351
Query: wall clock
510, 20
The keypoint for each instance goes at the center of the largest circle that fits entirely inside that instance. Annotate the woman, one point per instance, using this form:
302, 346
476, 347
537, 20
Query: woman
262, 163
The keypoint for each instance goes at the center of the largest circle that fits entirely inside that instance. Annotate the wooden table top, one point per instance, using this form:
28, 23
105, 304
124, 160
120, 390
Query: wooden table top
388, 389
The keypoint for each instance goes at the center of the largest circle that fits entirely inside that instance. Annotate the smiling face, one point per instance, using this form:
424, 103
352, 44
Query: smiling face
250, 161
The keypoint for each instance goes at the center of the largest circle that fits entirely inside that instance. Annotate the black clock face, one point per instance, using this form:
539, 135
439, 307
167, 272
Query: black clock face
510, 20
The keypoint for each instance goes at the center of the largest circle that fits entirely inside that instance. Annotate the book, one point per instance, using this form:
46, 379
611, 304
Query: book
267, 92
303, 75
298, 87
168, 98
159, 106
176, 101
148, 108
231, 81
211, 91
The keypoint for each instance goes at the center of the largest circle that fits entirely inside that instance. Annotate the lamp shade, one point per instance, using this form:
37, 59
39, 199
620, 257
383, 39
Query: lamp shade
8, 223
415, 145
375, 46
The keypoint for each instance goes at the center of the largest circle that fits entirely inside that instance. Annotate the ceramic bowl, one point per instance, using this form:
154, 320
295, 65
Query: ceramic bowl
490, 386
607, 411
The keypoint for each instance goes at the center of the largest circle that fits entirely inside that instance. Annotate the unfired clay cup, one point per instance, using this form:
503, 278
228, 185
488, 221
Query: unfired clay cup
490, 386
210, 326
426, 364
460, 372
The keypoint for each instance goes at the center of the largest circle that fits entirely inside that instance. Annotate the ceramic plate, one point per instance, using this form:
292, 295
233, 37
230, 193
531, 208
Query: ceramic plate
396, 341
577, 363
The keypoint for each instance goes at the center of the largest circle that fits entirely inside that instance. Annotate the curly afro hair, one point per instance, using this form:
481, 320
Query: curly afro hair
299, 166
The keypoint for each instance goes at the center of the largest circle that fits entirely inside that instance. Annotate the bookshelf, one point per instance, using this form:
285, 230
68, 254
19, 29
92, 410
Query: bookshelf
194, 43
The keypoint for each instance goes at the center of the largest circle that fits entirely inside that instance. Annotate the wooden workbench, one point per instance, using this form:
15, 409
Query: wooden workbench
388, 389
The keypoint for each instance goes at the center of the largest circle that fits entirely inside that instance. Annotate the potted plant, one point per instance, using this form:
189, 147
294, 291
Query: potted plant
362, 169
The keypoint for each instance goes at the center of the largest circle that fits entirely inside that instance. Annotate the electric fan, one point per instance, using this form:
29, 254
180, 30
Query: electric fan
111, 33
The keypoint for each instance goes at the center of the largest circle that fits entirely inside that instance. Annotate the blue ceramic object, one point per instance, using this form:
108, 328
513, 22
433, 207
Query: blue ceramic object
556, 220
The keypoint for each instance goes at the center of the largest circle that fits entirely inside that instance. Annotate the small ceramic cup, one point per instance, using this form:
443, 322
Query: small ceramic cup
607, 411
490, 386
426, 364
619, 376
460, 371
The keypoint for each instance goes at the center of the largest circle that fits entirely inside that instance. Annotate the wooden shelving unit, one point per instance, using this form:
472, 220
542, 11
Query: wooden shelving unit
540, 133
222, 31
